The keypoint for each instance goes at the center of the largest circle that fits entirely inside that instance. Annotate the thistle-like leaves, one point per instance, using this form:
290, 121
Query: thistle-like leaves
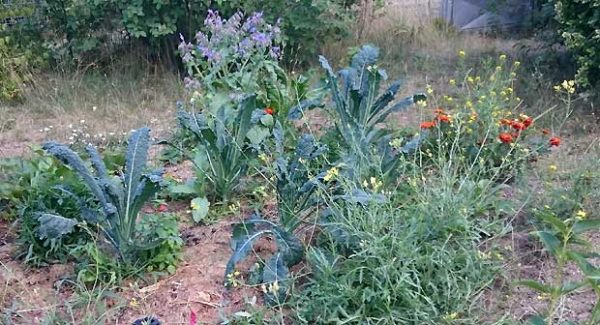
54, 226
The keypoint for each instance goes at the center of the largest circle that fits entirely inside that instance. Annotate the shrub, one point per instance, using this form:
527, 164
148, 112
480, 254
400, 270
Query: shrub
120, 198
580, 31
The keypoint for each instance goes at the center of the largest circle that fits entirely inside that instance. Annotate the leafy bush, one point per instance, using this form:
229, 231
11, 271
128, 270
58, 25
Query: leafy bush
41, 183
296, 201
578, 21
120, 197
237, 55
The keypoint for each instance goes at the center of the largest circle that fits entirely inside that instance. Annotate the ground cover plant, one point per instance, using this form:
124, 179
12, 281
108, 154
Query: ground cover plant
432, 178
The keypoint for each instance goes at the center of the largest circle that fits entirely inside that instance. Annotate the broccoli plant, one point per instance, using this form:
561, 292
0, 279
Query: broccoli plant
120, 197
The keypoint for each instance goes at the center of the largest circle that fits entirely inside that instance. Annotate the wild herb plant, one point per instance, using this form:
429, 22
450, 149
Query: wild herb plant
235, 56
566, 241
120, 197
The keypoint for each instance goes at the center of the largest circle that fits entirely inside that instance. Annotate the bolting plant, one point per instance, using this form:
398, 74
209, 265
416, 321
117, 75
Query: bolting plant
120, 198
361, 109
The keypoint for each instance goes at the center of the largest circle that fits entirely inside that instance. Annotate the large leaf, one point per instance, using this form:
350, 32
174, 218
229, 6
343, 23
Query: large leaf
275, 277
135, 162
200, 206
582, 226
70, 158
54, 226
551, 243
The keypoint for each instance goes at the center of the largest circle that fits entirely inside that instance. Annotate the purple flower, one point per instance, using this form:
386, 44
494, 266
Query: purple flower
261, 39
191, 83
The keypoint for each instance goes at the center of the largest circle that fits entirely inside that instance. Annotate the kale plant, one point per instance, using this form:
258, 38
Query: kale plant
120, 197
223, 153
296, 200
361, 109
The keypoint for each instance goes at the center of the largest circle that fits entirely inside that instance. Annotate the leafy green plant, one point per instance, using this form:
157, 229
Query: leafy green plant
120, 197
564, 239
578, 21
41, 183
296, 189
360, 109
223, 153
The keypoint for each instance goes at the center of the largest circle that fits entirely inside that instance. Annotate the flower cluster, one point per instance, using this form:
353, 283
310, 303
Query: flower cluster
227, 45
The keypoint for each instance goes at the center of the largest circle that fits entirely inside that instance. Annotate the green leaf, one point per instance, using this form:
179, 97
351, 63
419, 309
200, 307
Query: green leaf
267, 120
539, 287
537, 320
551, 243
257, 134
570, 287
275, 276
554, 221
200, 206
582, 226
53, 226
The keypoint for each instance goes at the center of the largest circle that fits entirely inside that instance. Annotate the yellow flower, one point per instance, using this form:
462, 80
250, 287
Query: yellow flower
517, 64
513, 74
498, 68
552, 168
429, 89
580, 215
422, 103
133, 303
469, 104
396, 143
509, 90
557, 88
451, 316
331, 174
452, 82
470, 79
503, 57
462, 53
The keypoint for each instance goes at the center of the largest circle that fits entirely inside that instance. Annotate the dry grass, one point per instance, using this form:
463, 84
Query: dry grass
109, 102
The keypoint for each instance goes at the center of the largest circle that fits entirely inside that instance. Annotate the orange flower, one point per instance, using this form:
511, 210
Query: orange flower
505, 122
269, 110
518, 125
439, 111
527, 120
162, 208
505, 138
427, 124
554, 141
444, 118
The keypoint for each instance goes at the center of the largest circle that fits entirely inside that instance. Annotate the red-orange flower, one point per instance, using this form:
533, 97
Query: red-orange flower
518, 125
439, 111
443, 118
269, 110
555, 141
427, 124
527, 120
162, 207
505, 138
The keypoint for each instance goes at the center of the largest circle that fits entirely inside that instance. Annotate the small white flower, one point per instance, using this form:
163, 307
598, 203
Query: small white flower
94, 108
82, 121
46, 129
